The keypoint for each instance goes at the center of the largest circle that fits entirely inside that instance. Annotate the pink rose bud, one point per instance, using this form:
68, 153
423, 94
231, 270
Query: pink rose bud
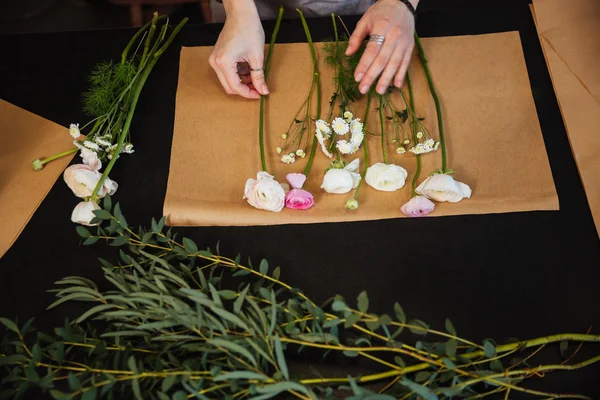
417, 207
299, 199
296, 180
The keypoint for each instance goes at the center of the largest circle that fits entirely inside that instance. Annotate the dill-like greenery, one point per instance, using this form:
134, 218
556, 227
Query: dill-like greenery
107, 81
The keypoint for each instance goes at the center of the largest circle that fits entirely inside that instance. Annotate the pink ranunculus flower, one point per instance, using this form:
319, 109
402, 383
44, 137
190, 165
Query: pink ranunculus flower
82, 180
84, 213
417, 207
265, 193
296, 180
299, 199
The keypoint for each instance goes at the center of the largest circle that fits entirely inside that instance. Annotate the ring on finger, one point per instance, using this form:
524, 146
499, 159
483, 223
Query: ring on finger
377, 39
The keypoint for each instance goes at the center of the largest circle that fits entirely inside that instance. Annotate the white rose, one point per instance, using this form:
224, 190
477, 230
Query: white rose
386, 177
82, 180
265, 193
91, 159
342, 180
83, 213
443, 187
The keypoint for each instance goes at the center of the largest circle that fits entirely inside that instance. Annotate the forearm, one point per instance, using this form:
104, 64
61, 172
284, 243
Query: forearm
240, 7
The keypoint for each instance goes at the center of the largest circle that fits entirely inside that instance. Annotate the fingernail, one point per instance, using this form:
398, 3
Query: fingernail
358, 77
398, 84
264, 89
381, 89
364, 89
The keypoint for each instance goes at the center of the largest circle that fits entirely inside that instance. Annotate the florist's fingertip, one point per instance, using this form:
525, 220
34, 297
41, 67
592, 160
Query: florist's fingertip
398, 84
364, 89
264, 90
381, 89
359, 77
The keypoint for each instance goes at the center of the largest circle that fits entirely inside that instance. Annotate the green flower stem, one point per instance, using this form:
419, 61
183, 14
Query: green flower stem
261, 121
438, 106
414, 131
382, 122
149, 38
59, 155
135, 97
317, 79
135, 37
365, 150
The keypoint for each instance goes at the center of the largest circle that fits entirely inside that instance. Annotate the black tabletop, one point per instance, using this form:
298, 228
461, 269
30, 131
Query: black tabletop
506, 275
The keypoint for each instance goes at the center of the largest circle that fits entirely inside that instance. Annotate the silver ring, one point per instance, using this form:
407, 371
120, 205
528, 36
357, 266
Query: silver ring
377, 39
256, 69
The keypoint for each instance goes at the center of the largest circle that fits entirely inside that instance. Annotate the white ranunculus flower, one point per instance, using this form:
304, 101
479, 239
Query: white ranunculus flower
83, 213
82, 180
265, 193
345, 147
339, 180
443, 187
90, 158
340, 126
386, 177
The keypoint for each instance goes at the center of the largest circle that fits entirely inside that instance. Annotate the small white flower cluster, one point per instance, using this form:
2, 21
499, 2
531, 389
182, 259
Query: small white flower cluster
341, 127
425, 147
288, 158
99, 143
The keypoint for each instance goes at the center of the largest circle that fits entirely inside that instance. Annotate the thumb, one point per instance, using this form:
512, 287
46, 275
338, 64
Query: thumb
258, 74
356, 38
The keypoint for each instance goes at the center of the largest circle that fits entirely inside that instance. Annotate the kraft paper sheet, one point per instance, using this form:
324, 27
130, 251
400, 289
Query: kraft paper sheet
570, 37
493, 136
25, 137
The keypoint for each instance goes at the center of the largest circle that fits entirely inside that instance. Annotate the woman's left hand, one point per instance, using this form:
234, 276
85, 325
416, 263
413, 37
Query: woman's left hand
393, 20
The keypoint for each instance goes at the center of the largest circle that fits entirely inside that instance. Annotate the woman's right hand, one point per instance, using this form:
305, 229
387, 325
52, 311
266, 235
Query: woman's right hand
242, 41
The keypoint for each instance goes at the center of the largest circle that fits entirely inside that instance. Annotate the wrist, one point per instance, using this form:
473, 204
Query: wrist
239, 8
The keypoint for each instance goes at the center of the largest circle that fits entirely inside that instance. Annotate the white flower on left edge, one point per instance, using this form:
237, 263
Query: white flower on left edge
83, 213
443, 187
386, 177
265, 193
74, 131
82, 180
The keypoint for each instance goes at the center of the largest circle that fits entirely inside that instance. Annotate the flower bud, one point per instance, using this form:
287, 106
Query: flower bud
352, 204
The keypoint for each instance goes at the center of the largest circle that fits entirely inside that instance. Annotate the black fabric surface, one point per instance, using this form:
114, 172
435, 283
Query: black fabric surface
507, 275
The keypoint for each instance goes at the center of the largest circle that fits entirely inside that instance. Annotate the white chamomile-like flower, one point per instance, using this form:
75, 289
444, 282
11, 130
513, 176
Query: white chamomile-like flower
78, 144
279, 150
400, 150
356, 126
300, 153
288, 158
407, 141
348, 116
102, 142
418, 149
323, 127
429, 143
284, 136
419, 135
128, 148
74, 131
340, 126
357, 138
326, 150
91, 145
437, 144
346, 148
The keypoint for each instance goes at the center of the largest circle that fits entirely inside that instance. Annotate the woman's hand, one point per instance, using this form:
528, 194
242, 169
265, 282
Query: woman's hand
242, 41
393, 20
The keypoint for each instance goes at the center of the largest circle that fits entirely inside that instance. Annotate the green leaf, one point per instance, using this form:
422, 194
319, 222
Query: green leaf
351, 320
264, 266
74, 382
13, 359
135, 386
119, 241
281, 358
132, 365
399, 313
418, 327
363, 302
242, 272
238, 303
147, 236
385, 319
451, 346
450, 328
189, 246
282, 386
154, 226
447, 362
90, 394
234, 347
240, 375
36, 353
93, 311
231, 318
180, 395
338, 306
422, 391
276, 273
107, 203
9, 324
273, 313
228, 294
72, 296
489, 349
83, 232
398, 360
496, 366
102, 214
350, 353
422, 376
167, 383
215, 296
89, 241
373, 325
564, 346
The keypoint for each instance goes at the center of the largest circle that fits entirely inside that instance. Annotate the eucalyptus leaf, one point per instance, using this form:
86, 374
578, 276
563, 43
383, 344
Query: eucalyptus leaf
363, 302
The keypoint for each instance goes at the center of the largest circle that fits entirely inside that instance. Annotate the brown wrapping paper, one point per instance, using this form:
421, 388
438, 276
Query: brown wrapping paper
570, 37
26, 137
493, 136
